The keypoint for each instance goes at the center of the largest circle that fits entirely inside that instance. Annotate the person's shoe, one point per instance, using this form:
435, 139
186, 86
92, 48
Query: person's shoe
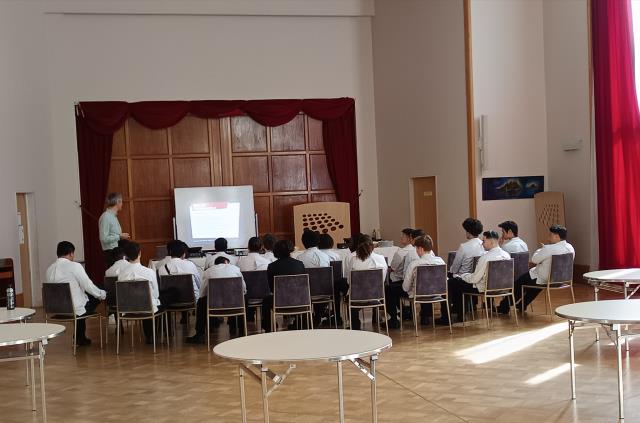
195, 339
393, 324
83, 342
501, 310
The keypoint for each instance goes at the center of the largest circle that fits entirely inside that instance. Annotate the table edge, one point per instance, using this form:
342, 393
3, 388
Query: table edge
38, 339
332, 359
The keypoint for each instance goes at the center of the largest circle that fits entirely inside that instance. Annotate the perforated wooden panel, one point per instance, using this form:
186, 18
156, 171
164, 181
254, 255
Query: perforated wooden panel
549, 211
326, 218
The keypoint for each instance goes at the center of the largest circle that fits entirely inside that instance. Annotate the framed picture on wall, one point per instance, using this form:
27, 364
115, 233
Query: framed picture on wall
511, 187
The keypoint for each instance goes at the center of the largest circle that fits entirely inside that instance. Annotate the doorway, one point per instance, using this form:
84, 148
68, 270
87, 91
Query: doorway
25, 211
425, 207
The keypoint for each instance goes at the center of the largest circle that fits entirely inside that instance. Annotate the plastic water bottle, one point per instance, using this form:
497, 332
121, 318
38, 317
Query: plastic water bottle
11, 299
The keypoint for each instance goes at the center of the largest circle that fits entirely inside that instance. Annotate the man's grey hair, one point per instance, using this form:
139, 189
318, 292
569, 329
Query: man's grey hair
113, 198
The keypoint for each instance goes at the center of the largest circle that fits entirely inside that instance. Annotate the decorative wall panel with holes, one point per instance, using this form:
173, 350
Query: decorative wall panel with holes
326, 218
286, 166
549, 211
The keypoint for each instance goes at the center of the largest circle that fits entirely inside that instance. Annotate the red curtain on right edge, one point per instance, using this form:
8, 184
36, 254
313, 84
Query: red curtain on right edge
617, 126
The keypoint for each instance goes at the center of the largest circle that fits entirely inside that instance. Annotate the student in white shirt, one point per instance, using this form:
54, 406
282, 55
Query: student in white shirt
477, 281
406, 288
220, 269
121, 261
312, 256
179, 265
472, 247
365, 259
539, 275
509, 241
134, 271
65, 270
254, 260
221, 246
268, 241
411, 254
397, 262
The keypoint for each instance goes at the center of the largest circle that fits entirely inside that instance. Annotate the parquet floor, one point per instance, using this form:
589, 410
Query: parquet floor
477, 375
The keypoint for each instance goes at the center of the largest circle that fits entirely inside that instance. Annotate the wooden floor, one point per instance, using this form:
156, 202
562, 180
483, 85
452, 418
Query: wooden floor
506, 374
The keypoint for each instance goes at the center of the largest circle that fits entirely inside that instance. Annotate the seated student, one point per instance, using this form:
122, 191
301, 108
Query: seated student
393, 292
221, 246
284, 265
365, 259
220, 269
325, 244
411, 254
65, 270
268, 241
178, 265
121, 261
397, 262
254, 260
312, 256
166, 258
468, 250
509, 241
134, 271
477, 281
538, 275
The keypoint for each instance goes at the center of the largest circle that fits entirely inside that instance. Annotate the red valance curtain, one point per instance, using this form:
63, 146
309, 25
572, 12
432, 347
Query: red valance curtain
96, 122
617, 130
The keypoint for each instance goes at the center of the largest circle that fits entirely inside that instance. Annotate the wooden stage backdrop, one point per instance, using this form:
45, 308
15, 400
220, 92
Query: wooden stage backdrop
286, 166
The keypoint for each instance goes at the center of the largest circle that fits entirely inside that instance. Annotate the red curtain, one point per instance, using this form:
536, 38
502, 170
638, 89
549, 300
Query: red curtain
617, 126
96, 123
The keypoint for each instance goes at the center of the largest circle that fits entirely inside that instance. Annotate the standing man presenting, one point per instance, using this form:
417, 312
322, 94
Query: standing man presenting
110, 230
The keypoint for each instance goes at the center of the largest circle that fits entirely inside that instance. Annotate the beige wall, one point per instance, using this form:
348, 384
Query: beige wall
568, 120
419, 68
509, 88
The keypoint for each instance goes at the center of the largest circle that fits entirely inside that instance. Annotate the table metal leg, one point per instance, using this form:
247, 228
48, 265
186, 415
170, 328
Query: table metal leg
572, 364
340, 392
265, 399
44, 402
374, 393
33, 380
243, 404
617, 330
595, 295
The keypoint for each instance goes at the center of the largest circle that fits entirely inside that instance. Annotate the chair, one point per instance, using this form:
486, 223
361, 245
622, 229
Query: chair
560, 277
520, 264
58, 307
321, 287
182, 285
499, 276
134, 302
367, 291
257, 290
336, 265
110, 302
431, 287
225, 298
450, 258
291, 296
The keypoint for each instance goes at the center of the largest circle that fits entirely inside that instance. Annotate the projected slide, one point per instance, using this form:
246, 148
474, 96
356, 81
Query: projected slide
213, 220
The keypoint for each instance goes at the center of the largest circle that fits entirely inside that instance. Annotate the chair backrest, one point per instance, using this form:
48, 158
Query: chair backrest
257, 284
520, 264
56, 298
431, 280
475, 263
561, 268
225, 293
337, 269
161, 252
450, 258
366, 285
110, 287
291, 291
320, 280
499, 275
134, 296
181, 285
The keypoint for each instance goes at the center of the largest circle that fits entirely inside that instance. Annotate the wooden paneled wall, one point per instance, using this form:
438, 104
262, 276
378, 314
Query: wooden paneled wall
286, 166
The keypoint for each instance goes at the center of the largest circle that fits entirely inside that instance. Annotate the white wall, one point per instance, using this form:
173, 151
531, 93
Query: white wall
509, 87
51, 60
566, 43
421, 126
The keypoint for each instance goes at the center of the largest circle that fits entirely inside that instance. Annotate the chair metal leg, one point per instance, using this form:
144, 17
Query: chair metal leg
401, 314
131, 327
415, 314
573, 297
549, 303
118, 322
73, 337
464, 311
349, 313
244, 316
449, 313
515, 310
486, 312
100, 327
386, 322
522, 301
208, 332
153, 329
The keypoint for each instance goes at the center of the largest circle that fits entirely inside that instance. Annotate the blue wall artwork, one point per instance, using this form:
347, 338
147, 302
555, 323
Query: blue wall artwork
511, 187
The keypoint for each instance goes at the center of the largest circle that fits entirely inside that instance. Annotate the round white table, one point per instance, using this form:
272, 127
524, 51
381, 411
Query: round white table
612, 314
330, 345
27, 334
610, 280
16, 315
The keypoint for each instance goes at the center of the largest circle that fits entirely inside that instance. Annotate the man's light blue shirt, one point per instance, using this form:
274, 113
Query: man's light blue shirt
110, 230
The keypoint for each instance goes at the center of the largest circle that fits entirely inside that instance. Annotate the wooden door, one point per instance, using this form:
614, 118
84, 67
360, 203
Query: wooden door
25, 262
425, 207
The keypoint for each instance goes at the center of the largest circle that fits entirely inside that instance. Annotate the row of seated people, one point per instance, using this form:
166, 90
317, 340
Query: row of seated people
416, 250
